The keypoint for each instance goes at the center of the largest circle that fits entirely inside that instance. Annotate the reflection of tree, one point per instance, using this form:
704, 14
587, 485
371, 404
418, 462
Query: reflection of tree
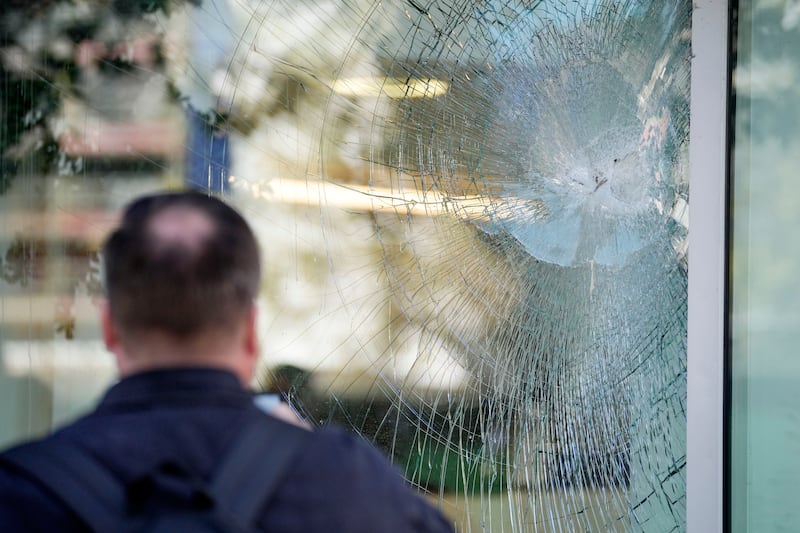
43, 44
26, 263
27, 103
58, 57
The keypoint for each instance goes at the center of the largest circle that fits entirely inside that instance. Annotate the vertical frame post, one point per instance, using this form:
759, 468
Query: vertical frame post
708, 147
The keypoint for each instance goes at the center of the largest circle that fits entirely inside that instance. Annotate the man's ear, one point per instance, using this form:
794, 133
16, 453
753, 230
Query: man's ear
251, 345
111, 338
250, 349
109, 331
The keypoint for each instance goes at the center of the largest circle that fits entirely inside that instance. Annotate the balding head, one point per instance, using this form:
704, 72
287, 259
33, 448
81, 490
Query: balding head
181, 264
181, 226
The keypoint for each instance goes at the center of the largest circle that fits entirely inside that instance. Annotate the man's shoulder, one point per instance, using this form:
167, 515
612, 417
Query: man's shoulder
343, 449
348, 481
25, 504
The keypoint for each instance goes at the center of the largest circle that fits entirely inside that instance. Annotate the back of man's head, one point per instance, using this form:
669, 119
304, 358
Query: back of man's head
180, 263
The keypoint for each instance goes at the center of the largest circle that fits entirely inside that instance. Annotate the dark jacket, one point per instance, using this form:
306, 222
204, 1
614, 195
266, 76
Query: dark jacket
188, 417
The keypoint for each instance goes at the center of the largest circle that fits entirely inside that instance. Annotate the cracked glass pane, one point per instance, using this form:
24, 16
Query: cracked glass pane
474, 217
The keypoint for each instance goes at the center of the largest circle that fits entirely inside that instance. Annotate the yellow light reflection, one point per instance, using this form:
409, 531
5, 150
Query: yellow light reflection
393, 88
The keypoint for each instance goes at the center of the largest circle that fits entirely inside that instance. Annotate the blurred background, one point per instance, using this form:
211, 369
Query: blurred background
473, 217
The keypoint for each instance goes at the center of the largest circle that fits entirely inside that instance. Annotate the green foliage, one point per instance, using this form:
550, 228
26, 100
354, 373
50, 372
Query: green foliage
25, 140
33, 81
441, 466
134, 8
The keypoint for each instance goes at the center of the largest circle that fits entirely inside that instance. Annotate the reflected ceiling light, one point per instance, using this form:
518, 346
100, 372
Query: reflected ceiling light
393, 88
363, 198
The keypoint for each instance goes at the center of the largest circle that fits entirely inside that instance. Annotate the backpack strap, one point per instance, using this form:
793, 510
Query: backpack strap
254, 466
76, 477
246, 478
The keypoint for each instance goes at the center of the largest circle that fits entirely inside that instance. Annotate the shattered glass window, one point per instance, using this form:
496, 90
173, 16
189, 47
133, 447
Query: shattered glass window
474, 217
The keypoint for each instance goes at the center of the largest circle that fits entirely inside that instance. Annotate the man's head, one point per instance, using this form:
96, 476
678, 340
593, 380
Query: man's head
181, 273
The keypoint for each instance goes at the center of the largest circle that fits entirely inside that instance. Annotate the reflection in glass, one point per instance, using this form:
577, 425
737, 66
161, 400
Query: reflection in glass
764, 322
473, 215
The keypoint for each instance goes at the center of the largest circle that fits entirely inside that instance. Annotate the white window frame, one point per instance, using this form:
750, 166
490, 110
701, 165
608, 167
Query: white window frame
707, 275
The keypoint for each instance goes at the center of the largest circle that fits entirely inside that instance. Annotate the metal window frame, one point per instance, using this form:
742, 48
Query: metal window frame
708, 167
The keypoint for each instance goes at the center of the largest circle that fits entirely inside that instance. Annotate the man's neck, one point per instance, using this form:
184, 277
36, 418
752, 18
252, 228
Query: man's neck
157, 350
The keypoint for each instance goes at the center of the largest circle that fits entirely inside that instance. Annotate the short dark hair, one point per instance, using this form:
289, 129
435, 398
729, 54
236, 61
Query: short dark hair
171, 284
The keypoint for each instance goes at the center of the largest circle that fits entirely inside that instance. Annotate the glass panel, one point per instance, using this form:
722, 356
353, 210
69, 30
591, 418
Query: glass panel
474, 218
765, 255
